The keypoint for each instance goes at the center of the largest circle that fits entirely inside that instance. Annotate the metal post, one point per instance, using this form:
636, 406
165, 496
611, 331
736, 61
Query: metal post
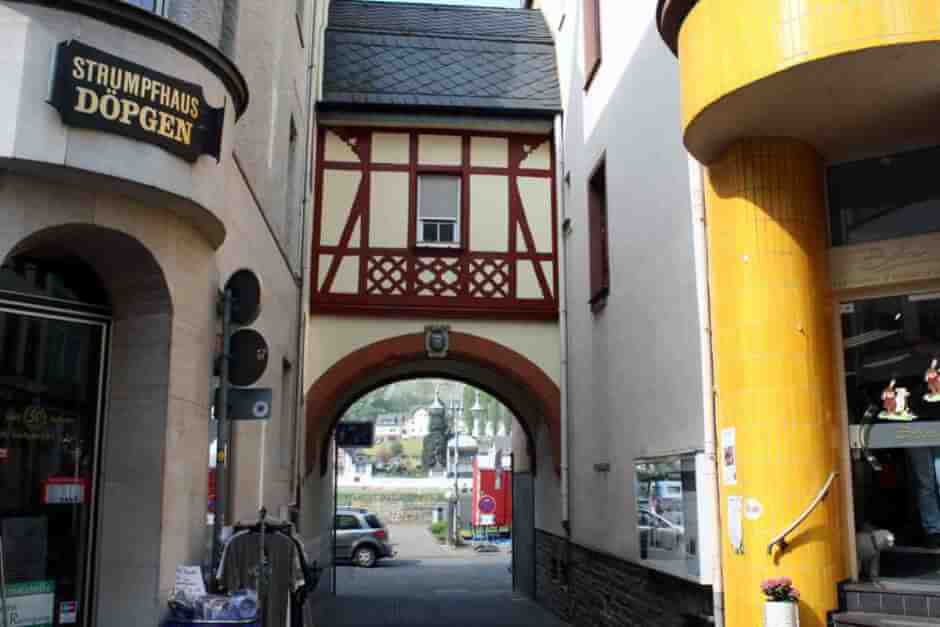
3, 586
221, 416
453, 410
335, 507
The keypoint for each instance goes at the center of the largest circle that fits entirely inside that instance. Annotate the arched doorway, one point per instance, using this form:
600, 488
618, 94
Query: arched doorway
86, 331
531, 395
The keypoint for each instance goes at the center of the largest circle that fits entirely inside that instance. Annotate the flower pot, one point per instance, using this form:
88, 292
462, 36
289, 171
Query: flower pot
781, 614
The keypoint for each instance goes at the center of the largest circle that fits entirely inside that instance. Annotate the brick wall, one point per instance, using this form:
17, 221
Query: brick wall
591, 589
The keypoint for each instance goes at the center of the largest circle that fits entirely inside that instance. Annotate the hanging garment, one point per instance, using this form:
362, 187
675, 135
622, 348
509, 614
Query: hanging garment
239, 565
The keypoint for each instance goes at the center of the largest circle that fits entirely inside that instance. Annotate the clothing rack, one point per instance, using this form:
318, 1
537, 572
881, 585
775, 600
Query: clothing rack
310, 570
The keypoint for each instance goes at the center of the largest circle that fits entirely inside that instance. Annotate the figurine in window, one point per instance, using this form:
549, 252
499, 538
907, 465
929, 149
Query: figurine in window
932, 377
894, 403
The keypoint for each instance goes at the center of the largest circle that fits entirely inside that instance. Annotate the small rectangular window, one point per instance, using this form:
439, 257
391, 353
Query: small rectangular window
439, 210
598, 238
592, 39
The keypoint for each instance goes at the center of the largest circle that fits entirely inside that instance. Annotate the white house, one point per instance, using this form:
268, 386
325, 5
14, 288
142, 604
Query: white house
418, 424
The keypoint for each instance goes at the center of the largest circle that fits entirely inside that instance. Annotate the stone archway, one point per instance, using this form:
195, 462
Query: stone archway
521, 385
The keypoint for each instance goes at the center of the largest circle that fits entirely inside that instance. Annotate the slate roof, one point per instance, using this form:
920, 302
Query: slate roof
410, 56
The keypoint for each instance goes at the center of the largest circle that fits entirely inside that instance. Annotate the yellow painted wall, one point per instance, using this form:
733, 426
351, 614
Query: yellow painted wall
388, 213
489, 213
536, 194
439, 150
490, 152
527, 283
338, 150
339, 192
727, 44
540, 157
774, 369
390, 148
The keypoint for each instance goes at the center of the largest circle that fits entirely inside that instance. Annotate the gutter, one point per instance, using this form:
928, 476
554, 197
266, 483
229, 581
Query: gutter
709, 391
562, 318
306, 217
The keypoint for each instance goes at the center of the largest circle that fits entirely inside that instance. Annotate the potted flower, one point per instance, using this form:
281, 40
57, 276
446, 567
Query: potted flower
782, 603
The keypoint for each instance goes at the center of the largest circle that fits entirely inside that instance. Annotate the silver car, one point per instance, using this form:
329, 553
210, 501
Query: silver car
361, 537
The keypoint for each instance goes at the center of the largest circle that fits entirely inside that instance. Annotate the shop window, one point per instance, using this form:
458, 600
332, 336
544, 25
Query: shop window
592, 39
884, 198
598, 238
438, 210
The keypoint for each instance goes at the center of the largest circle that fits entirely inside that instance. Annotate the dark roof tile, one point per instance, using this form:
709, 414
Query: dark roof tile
440, 56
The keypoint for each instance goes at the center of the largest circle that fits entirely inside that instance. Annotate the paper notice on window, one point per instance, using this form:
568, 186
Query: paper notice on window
735, 528
729, 457
30, 603
189, 581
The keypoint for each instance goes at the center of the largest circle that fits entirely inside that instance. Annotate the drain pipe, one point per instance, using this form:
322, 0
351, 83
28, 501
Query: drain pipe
562, 317
709, 392
305, 228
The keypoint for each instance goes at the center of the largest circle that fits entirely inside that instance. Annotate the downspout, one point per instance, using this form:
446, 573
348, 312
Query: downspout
700, 247
305, 228
562, 318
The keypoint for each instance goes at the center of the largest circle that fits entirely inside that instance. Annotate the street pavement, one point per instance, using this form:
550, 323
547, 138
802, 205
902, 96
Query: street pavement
427, 585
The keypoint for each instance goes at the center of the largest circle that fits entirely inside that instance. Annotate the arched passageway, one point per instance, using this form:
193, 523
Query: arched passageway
518, 383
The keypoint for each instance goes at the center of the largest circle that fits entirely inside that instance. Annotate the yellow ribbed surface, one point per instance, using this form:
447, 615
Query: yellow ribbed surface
772, 334
726, 44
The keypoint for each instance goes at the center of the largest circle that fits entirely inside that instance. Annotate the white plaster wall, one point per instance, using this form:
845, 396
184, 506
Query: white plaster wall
634, 369
489, 213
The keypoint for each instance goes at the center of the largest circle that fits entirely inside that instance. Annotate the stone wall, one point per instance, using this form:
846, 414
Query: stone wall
591, 589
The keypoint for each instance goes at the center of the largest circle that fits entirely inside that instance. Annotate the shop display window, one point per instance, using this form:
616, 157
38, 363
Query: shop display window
892, 386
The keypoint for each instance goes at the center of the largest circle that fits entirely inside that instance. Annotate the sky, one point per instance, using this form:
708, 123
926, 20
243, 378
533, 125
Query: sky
515, 4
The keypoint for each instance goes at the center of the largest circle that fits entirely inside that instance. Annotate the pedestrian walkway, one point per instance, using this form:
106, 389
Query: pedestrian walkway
444, 592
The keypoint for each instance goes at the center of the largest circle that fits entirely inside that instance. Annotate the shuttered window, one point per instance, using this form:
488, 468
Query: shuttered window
592, 39
600, 254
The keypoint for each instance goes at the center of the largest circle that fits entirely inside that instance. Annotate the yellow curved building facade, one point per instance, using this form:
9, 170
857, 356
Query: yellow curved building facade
773, 92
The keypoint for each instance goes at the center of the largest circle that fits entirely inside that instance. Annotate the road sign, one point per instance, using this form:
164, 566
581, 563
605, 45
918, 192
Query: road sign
355, 435
248, 403
246, 296
487, 505
249, 353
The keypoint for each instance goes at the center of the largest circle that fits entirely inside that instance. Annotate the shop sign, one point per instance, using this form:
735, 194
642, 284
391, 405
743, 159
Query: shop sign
30, 604
63, 491
96, 90
885, 262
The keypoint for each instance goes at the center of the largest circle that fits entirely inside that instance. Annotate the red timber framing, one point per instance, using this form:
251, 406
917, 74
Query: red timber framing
434, 282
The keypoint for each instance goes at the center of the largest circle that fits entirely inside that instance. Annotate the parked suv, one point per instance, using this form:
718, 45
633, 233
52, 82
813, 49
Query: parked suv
361, 537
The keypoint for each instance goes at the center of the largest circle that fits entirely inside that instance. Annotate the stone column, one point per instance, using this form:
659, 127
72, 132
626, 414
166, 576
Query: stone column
772, 330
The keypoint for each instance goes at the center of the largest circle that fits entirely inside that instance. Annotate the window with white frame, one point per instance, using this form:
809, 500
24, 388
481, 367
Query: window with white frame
439, 210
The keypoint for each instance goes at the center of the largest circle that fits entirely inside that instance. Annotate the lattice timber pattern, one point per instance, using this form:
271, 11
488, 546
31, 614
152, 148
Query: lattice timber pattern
393, 281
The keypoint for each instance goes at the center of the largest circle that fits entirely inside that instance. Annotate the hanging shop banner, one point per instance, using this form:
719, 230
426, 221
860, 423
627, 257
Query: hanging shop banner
30, 604
96, 90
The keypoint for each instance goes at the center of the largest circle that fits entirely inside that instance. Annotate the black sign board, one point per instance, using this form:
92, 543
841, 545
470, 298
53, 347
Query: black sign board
96, 90
248, 403
355, 434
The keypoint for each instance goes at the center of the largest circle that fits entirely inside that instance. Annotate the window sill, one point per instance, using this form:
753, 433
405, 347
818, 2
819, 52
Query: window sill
431, 246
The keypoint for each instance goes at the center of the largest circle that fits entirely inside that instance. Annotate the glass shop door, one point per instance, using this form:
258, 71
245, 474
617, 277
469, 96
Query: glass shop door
51, 372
